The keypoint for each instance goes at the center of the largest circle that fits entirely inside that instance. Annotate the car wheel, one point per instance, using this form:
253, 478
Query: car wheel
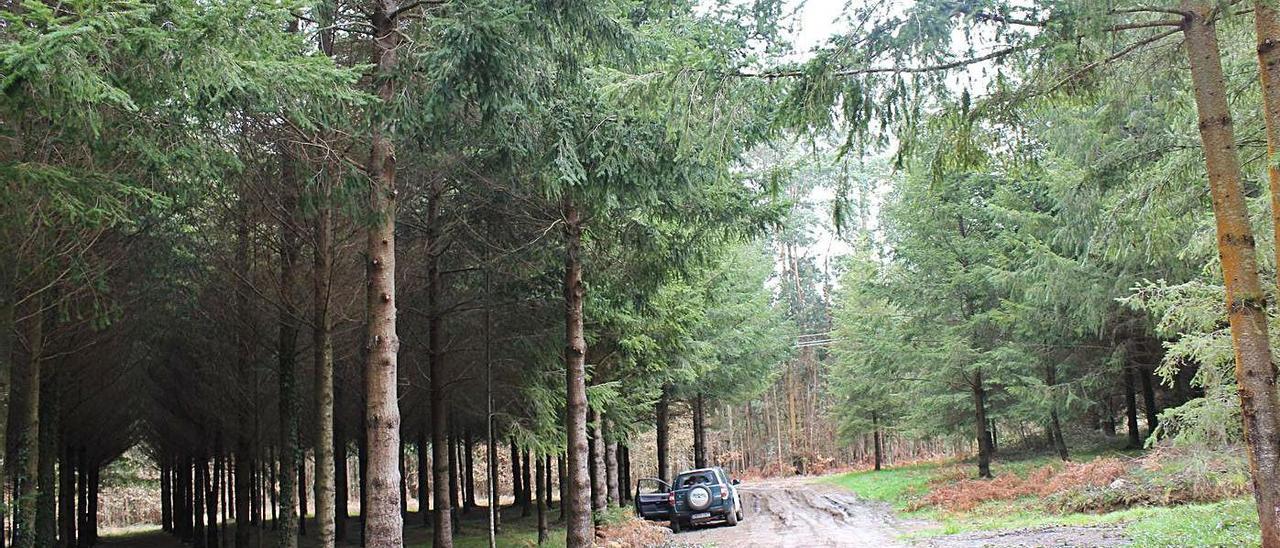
675, 526
732, 519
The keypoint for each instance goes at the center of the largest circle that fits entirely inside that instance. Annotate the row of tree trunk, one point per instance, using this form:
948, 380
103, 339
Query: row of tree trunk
202, 495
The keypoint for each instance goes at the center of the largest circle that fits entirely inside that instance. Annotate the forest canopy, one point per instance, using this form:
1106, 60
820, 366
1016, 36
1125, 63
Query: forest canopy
338, 253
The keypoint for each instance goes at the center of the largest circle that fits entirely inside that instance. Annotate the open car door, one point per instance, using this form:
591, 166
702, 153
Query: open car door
651, 499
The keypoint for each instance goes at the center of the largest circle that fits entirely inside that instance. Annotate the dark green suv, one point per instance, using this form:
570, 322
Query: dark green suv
703, 496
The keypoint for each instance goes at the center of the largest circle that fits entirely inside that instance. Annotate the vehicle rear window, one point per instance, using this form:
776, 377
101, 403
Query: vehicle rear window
696, 478
648, 487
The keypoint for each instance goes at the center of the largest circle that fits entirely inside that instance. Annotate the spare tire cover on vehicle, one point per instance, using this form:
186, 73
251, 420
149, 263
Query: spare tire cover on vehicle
699, 498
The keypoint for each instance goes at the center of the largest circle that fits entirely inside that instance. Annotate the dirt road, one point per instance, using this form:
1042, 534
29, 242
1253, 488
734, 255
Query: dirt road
798, 512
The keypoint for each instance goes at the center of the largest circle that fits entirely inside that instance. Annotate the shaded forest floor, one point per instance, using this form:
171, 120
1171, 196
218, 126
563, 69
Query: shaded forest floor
620, 529
1162, 497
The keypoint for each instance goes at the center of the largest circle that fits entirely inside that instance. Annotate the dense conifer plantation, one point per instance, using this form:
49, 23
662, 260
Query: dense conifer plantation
367, 259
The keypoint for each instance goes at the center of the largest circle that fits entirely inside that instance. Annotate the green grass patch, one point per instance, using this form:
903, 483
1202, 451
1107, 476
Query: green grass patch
896, 486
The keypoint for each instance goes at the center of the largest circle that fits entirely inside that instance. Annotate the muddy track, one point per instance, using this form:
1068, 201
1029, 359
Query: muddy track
796, 512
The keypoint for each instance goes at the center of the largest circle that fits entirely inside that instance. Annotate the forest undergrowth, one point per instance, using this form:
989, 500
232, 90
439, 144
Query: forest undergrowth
1166, 496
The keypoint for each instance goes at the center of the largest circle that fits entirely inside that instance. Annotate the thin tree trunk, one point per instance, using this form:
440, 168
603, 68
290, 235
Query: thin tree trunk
198, 536
453, 483
383, 524
526, 483
1246, 303
610, 463
67, 497
210, 504
341, 481
1149, 399
82, 492
564, 487
875, 427
599, 483
302, 493
46, 506
245, 512
27, 424
699, 433
980, 420
517, 488
546, 493
662, 418
442, 523
290, 400
1051, 380
322, 348
578, 528
424, 472
542, 506
1131, 408
166, 490
469, 478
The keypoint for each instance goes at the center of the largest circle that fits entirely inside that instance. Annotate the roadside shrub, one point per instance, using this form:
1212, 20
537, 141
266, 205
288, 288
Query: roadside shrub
1164, 477
966, 494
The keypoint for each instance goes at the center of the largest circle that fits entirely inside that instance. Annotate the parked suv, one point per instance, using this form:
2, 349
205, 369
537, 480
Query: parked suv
696, 497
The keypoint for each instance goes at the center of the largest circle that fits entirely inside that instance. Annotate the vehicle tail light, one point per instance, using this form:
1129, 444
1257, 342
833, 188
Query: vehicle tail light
724, 492
671, 498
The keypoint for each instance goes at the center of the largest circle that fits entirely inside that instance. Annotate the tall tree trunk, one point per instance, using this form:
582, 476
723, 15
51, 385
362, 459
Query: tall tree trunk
302, 493
198, 537
166, 488
1149, 399
211, 504
564, 487
322, 349
453, 483
1131, 408
517, 488
980, 420
383, 524
662, 418
1051, 381
424, 472
67, 497
875, 428
626, 471
526, 483
1246, 303
610, 463
699, 433
82, 493
244, 466
469, 477
599, 485
442, 525
46, 506
341, 484
542, 506
491, 441
9, 311
578, 528
290, 398
27, 424
1267, 30
94, 484
546, 493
